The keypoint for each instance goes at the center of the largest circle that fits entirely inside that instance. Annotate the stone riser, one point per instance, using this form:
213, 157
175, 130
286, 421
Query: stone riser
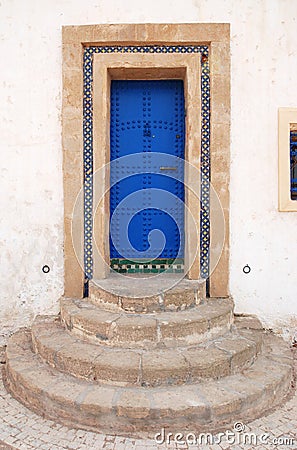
207, 406
207, 321
147, 367
118, 298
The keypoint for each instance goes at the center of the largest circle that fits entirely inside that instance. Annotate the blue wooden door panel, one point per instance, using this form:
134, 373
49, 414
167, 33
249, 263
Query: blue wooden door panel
147, 206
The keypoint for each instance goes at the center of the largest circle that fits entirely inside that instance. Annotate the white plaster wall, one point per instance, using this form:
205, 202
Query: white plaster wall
264, 68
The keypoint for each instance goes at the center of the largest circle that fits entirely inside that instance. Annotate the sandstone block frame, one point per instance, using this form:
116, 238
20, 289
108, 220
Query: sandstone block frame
75, 38
287, 121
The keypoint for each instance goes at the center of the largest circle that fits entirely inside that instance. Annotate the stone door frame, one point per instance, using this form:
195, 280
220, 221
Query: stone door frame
75, 38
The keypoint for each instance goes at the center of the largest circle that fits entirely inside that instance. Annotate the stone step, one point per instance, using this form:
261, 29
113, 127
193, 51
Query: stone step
198, 407
139, 295
203, 322
144, 367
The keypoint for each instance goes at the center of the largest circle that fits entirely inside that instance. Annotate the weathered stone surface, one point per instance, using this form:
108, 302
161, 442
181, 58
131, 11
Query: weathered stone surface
47, 340
249, 322
189, 324
83, 359
203, 406
164, 367
86, 322
206, 321
275, 376
277, 347
207, 363
110, 370
217, 313
251, 393
168, 405
255, 336
119, 328
223, 403
179, 299
141, 305
133, 404
141, 366
83, 318
133, 295
77, 359
118, 366
136, 329
241, 351
102, 297
95, 396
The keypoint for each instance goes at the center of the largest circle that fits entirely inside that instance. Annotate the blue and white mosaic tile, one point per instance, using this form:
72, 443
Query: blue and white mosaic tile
88, 142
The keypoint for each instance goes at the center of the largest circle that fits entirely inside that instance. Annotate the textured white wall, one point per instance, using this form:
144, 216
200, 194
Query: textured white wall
264, 68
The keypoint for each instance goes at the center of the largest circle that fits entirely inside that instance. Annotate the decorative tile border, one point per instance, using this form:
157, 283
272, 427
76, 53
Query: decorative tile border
88, 146
158, 266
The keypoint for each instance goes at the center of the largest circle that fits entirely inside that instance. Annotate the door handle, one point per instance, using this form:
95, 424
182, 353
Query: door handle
168, 168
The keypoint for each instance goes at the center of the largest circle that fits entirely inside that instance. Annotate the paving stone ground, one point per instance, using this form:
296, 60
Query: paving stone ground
22, 429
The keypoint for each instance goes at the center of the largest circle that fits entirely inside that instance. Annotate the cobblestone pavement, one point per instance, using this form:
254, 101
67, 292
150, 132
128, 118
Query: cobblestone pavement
22, 429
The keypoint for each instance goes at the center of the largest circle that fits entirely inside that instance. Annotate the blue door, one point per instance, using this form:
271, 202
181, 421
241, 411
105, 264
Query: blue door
147, 139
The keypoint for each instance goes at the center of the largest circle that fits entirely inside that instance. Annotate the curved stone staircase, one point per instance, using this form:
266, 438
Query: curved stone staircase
120, 364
